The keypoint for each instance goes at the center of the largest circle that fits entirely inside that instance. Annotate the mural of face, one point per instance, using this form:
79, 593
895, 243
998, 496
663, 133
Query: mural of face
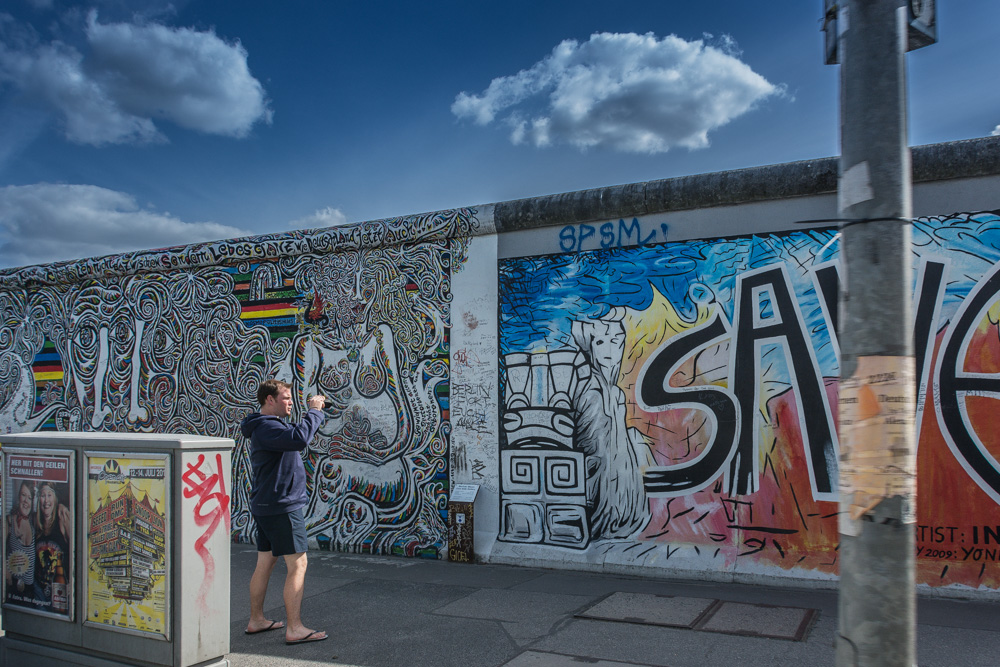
603, 342
119, 337
152, 352
360, 386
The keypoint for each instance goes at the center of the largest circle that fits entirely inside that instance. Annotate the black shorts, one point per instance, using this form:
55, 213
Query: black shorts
282, 534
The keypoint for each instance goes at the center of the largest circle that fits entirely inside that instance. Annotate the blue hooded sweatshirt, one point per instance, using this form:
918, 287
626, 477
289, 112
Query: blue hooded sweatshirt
279, 478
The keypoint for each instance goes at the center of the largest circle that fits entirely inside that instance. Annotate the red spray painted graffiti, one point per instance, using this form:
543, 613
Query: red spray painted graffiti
210, 489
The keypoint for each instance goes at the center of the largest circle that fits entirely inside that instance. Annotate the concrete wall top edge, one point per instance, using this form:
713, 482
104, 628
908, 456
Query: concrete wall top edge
673, 194
935, 162
437, 225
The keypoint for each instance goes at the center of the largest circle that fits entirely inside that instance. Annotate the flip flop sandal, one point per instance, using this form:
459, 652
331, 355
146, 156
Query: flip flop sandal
274, 626
308, 638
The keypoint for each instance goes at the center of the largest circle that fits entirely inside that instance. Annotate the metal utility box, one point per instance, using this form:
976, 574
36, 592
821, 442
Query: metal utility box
116, 549
461, 523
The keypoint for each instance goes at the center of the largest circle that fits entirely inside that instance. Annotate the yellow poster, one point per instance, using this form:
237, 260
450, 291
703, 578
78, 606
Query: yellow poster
127, 542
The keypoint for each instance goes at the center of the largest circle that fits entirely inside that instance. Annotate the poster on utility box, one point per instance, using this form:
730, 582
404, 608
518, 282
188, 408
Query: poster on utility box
127, 542
38, 541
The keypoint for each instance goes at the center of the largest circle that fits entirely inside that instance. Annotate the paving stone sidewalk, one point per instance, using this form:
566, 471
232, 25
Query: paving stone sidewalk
383, 612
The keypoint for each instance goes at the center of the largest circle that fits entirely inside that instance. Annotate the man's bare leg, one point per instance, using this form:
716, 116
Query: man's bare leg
258, 590
294, 585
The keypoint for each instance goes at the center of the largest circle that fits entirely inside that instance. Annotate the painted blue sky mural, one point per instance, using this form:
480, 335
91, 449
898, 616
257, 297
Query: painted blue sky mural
543, 295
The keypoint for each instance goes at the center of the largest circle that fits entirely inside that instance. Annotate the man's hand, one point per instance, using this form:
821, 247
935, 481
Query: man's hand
317, 402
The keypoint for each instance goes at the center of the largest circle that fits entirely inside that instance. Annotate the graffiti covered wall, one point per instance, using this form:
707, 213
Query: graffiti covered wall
361, 315
674, 405
657, 394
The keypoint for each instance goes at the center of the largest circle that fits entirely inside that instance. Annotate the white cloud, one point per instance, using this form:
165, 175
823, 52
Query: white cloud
132, 74
326, 217
627, 92
996, 131
48, 222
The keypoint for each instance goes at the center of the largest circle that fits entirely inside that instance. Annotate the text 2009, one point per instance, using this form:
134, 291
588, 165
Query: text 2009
935, 553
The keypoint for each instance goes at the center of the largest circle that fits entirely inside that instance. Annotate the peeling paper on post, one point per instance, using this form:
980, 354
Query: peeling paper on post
878, 457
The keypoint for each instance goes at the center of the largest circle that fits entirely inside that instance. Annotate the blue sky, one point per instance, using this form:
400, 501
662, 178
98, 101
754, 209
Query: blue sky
132, 124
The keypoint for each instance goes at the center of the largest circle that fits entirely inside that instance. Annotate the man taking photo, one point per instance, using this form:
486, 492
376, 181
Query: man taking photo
277, 498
